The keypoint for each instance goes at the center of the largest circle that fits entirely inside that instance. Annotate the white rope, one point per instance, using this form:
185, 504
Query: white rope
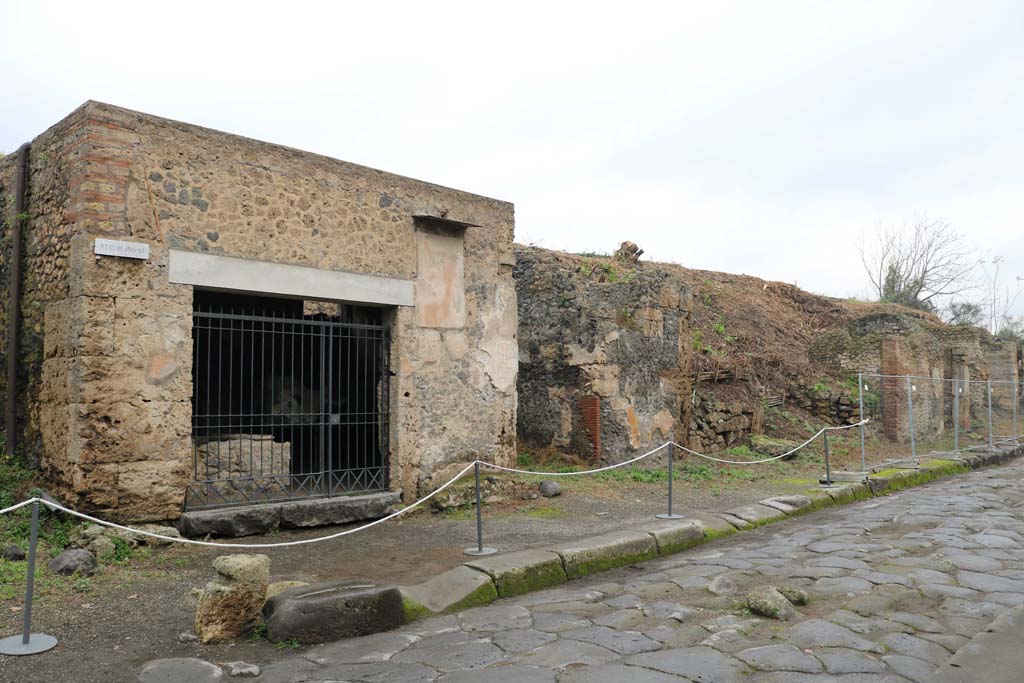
19, 505
568, 474
938, 379
777, 457
212, 544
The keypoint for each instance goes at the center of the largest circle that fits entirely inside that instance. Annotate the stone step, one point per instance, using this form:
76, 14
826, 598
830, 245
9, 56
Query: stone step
245, 520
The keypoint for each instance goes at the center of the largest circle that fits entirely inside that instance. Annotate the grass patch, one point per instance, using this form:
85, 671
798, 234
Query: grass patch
17, 483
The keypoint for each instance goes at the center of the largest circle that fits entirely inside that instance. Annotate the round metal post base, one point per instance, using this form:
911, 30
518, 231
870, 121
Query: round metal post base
37, 642
479, 551
665, 515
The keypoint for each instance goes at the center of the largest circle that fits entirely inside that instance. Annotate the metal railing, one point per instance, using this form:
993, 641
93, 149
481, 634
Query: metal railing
287, 404
936, 417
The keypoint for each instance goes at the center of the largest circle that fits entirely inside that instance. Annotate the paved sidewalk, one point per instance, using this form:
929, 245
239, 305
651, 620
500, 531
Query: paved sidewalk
898, 585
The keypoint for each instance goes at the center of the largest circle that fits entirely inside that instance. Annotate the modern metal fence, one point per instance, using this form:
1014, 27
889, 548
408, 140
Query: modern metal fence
913, 416
286, 405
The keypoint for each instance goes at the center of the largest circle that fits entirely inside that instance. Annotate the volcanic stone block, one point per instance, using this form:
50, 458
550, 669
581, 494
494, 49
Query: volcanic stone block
756, 513
595, 554
672, 536
523, 571
454, 590
714, 526
339, 510
237, 521
788, 504
330, 611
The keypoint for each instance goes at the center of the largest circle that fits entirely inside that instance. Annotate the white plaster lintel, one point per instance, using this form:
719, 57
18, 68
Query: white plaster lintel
228, 272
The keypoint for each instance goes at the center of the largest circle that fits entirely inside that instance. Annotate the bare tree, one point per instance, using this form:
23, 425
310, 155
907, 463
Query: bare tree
999, 299
918, 264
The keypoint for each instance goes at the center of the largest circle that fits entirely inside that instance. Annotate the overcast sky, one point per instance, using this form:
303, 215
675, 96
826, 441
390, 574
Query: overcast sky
756, 137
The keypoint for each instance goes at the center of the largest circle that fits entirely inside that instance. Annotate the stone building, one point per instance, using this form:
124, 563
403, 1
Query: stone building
210, 321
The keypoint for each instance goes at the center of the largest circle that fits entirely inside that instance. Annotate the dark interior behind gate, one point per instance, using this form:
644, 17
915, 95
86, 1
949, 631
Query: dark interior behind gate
290, 399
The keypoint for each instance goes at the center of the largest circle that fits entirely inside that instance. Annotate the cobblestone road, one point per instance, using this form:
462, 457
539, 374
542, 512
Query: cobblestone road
897, 584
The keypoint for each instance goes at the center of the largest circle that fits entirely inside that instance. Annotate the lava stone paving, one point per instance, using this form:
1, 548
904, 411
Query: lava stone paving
897, 585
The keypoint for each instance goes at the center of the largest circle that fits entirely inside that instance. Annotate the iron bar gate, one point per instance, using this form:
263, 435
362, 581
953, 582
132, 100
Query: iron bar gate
287, 403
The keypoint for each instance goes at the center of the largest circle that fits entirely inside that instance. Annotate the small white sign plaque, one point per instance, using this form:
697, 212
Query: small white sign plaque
139, 250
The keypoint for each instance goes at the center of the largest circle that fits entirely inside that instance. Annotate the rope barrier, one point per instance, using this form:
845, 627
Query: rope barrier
938, 379
251, 546
568, 474
19, 505
213, 544
776, 457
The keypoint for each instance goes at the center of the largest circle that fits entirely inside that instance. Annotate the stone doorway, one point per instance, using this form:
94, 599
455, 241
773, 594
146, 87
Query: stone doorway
290, 399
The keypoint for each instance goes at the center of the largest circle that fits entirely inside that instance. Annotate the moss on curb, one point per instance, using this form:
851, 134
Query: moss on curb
413, 611
673, 548
712, 534
484, 595
600, 564
546, 576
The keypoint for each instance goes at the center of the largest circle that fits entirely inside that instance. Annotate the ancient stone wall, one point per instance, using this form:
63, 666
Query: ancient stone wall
56, 170
934, 354
118, 337
611, 333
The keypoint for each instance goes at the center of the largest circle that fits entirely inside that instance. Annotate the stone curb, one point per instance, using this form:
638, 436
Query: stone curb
528, 570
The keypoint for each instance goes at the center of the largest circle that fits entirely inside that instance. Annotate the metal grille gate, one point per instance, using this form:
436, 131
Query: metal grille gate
287, 403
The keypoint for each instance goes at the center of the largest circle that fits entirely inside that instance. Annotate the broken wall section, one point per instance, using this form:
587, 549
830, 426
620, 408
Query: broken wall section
601, 335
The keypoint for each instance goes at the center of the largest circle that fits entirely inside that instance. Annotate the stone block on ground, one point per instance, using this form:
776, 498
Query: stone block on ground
756, 513
768, 602
522, 571
13, 553
598, 553
258, 519
454, 590
74, 561
338, 510
229, 606
325, 612
231, 522
714, 526
550, 489
788, 504
672, 536
736, 522
797, 596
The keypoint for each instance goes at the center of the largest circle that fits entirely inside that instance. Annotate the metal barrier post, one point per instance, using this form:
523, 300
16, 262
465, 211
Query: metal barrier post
828, 465
910, 404
479, 549
669, 514
988, 385
29, 643
956, 415
860, 398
